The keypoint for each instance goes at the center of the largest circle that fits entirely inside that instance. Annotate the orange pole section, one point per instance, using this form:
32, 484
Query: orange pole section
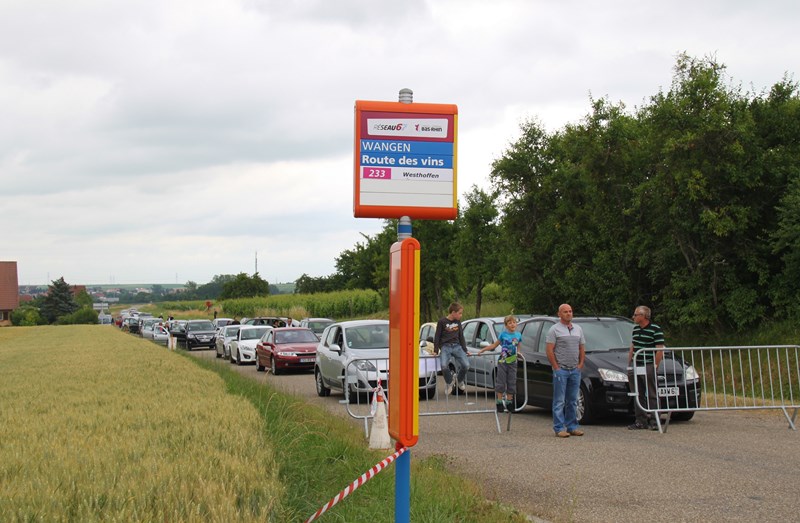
403, 342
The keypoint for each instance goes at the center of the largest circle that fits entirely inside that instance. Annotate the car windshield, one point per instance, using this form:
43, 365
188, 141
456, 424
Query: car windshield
200, 326
252, 334
295, 336
367, 337
231, 332
606, 334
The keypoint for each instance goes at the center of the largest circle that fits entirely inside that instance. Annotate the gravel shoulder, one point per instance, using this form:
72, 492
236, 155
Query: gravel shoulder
720, 466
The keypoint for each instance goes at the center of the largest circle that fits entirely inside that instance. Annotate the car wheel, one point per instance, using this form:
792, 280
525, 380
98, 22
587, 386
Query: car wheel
322, 390
273, 367
239, 358
584, 412
682, 416
427, 393
232, 360
259, 366
218, 354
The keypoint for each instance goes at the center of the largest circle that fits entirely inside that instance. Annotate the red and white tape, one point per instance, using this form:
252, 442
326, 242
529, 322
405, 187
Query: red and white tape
357, 483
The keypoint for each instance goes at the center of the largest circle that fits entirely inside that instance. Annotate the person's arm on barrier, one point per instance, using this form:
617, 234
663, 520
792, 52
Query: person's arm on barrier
659, 354
488, 347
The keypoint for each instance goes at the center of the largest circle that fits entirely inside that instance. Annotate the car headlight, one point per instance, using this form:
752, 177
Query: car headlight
689, 374
613, 375
365, 365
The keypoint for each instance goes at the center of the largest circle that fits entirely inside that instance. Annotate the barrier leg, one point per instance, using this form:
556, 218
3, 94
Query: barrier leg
402, 488
790, 419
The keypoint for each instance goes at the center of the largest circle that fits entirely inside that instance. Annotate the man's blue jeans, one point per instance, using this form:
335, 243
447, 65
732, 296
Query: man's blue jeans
566, 384
453, 351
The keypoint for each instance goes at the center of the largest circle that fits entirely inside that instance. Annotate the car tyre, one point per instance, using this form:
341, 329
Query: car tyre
232, 360
259, 366
682, 416
322, 390
273, 367
239, 358
584, 411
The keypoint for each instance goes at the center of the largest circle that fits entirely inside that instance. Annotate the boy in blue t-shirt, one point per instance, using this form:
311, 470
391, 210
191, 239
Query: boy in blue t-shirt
506, 382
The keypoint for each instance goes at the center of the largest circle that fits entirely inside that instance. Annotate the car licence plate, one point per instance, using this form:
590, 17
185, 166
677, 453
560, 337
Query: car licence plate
306, 360
668, 392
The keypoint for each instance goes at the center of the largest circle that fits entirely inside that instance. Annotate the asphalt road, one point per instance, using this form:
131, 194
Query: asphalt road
720, 466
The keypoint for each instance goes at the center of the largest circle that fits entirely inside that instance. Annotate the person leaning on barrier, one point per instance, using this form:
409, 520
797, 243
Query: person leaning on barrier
506, 382
449, 341
646, 335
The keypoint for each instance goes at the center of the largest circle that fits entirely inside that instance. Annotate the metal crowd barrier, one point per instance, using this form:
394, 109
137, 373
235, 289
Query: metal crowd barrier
479, 397
692, 379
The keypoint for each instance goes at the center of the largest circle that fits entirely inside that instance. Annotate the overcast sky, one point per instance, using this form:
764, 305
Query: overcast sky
162, 141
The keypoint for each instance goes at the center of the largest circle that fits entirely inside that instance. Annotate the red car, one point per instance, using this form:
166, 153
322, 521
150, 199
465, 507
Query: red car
285, 348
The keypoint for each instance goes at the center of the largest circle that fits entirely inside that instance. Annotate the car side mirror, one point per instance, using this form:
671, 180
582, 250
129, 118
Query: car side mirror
336, 348
485, 344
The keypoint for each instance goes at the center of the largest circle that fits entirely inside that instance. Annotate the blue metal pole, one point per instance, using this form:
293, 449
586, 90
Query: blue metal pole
402, 488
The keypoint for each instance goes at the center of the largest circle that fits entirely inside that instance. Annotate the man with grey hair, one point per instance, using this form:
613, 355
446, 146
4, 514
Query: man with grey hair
646, 335
566, 350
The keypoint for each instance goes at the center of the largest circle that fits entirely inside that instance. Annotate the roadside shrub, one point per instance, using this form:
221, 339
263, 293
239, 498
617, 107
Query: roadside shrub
27, 316
85, 315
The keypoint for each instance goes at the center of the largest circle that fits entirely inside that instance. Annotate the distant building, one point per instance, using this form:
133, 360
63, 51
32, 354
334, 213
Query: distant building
9, 290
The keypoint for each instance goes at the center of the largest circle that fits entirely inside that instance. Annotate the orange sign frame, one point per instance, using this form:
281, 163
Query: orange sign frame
412, 198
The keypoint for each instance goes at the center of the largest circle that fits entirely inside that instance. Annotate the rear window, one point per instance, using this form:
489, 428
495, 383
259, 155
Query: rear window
200, 326
296, 336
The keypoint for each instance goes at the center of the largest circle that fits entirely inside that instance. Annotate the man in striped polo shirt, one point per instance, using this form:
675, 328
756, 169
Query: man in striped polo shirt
646, 335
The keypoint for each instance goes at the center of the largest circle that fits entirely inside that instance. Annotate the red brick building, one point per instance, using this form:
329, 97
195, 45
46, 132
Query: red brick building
9, 290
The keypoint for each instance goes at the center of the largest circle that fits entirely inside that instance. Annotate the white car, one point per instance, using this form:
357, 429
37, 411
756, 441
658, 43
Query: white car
160, 334
243, 346
224, 338
361, 349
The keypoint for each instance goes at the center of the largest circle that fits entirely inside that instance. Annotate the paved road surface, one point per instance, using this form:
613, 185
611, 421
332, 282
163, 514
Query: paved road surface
733, 466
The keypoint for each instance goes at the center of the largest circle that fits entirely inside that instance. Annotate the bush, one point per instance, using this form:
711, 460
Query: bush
83, 316
27, 316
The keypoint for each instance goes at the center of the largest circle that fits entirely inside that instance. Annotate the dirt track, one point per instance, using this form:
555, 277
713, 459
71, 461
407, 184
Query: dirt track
730, 466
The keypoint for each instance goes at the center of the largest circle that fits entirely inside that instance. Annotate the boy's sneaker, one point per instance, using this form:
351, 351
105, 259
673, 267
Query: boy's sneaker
461, 386
637, 426
449, 387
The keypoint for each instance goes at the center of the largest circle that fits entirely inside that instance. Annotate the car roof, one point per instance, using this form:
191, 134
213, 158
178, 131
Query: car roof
357, 323
583, 318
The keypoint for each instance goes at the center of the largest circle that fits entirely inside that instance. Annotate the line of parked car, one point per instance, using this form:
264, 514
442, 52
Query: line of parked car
604, 377
353, 356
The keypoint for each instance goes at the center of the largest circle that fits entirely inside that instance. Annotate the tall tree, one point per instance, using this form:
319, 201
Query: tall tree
244, 286
59, 301
477, 247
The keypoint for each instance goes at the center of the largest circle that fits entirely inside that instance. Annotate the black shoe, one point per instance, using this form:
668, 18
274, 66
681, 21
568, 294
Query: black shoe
501, 408
637, 426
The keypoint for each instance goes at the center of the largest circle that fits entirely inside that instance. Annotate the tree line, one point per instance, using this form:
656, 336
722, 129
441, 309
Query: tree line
688, 204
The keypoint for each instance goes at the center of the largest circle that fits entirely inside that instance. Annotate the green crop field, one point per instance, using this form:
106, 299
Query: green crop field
99, 425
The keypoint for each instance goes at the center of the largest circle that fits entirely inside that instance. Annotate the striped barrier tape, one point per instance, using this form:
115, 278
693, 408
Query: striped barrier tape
357, 483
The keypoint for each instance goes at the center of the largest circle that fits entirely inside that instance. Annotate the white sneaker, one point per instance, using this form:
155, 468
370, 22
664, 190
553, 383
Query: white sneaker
461, 386
449, 387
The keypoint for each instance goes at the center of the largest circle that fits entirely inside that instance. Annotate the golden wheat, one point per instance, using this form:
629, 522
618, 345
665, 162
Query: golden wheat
98, 425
